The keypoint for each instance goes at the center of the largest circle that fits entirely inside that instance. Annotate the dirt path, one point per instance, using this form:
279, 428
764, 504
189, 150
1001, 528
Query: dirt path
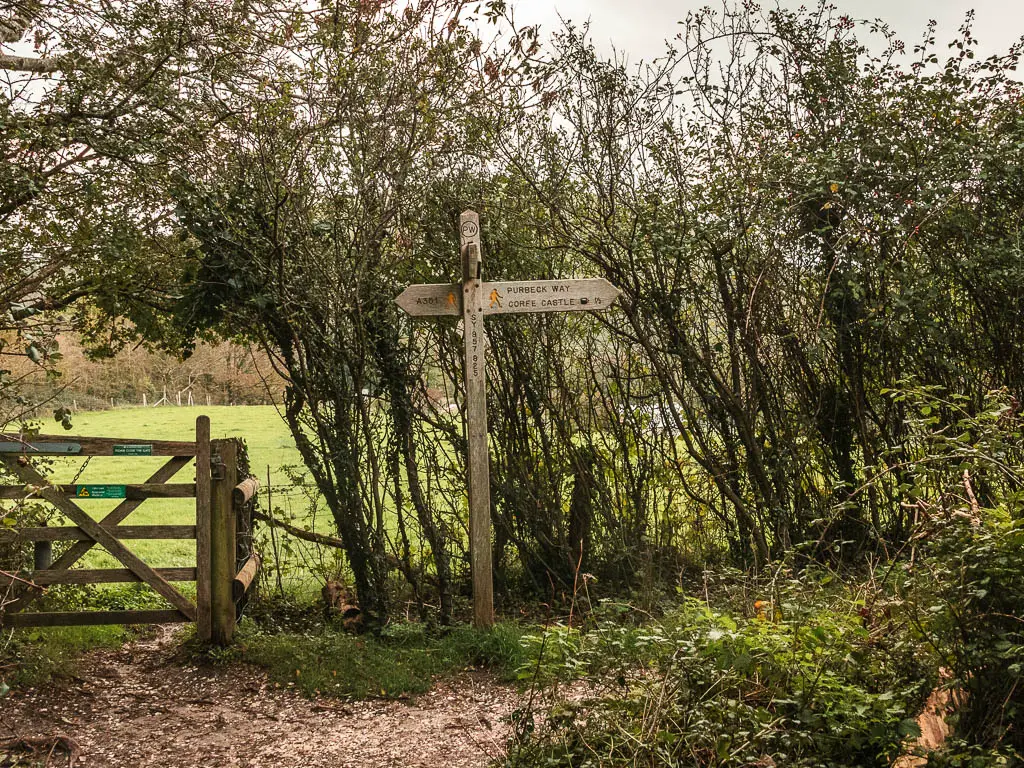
138, 706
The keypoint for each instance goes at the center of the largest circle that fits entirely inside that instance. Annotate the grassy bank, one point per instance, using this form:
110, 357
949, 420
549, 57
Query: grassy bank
403, 660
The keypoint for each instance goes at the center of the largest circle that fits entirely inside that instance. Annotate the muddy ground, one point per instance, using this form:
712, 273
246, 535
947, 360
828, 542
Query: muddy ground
145, 705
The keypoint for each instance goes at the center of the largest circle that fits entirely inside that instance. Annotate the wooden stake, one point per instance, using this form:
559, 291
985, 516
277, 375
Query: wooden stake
476, 421
245, 577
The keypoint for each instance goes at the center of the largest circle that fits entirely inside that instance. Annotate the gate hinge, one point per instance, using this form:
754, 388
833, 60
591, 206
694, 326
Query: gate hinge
217, 468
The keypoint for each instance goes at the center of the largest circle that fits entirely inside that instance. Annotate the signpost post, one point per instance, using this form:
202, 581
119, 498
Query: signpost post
473, 300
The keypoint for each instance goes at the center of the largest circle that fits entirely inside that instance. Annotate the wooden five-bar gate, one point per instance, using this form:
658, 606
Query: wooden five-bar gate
226, 564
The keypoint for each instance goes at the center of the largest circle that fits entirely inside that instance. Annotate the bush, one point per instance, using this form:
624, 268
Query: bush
792, 686
970, 609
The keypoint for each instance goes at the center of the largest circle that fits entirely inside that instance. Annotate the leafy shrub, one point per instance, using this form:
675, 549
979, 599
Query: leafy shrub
970, 609
818, 688
964, 584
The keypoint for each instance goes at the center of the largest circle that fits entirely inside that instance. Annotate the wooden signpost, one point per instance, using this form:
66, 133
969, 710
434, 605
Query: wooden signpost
473, 300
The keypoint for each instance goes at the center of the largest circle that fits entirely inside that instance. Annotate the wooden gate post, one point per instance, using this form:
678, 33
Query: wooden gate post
222, 539
204, 625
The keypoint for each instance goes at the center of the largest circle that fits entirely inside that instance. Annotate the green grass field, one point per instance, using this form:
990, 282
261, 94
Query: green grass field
266, 435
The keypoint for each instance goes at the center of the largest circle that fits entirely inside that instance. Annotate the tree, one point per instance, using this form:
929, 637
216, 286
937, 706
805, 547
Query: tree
798, 222
306, 222
89, 124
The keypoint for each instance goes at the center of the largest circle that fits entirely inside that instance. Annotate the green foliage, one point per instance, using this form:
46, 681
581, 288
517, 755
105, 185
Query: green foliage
126, 597
803, 683
964, 582
971, 611
798, 220
404, 659
91, 121
960, 753
820, 676
304, 224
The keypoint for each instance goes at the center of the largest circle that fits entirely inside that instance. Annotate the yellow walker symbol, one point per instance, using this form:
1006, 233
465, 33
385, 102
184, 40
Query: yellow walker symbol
495, 298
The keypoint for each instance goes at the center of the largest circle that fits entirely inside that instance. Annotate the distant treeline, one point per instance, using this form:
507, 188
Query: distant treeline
216, 374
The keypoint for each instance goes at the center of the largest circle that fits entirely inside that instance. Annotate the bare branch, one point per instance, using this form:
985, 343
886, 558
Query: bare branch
30, 64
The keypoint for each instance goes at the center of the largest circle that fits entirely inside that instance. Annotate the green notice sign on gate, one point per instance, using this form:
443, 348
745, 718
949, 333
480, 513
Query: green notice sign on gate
133, 450
101, 492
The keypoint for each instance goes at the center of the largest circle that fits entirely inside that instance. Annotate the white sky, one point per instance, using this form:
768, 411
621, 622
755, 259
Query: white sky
640, 27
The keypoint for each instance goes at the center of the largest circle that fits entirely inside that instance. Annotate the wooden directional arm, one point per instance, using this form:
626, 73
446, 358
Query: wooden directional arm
510, 297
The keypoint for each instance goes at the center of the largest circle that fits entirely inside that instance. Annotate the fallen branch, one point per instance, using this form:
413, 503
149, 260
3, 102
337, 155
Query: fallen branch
301, 533
975, 508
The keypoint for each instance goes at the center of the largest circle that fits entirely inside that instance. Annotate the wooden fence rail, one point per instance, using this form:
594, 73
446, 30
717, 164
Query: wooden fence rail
139, 491
74, 533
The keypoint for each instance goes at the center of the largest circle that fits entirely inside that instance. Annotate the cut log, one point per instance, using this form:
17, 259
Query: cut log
244, 491
245, 577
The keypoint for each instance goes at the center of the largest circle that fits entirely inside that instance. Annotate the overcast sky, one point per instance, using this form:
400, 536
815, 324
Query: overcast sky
640, 27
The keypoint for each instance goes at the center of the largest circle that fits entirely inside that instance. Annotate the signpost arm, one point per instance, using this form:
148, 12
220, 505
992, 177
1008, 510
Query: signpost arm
476, 421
